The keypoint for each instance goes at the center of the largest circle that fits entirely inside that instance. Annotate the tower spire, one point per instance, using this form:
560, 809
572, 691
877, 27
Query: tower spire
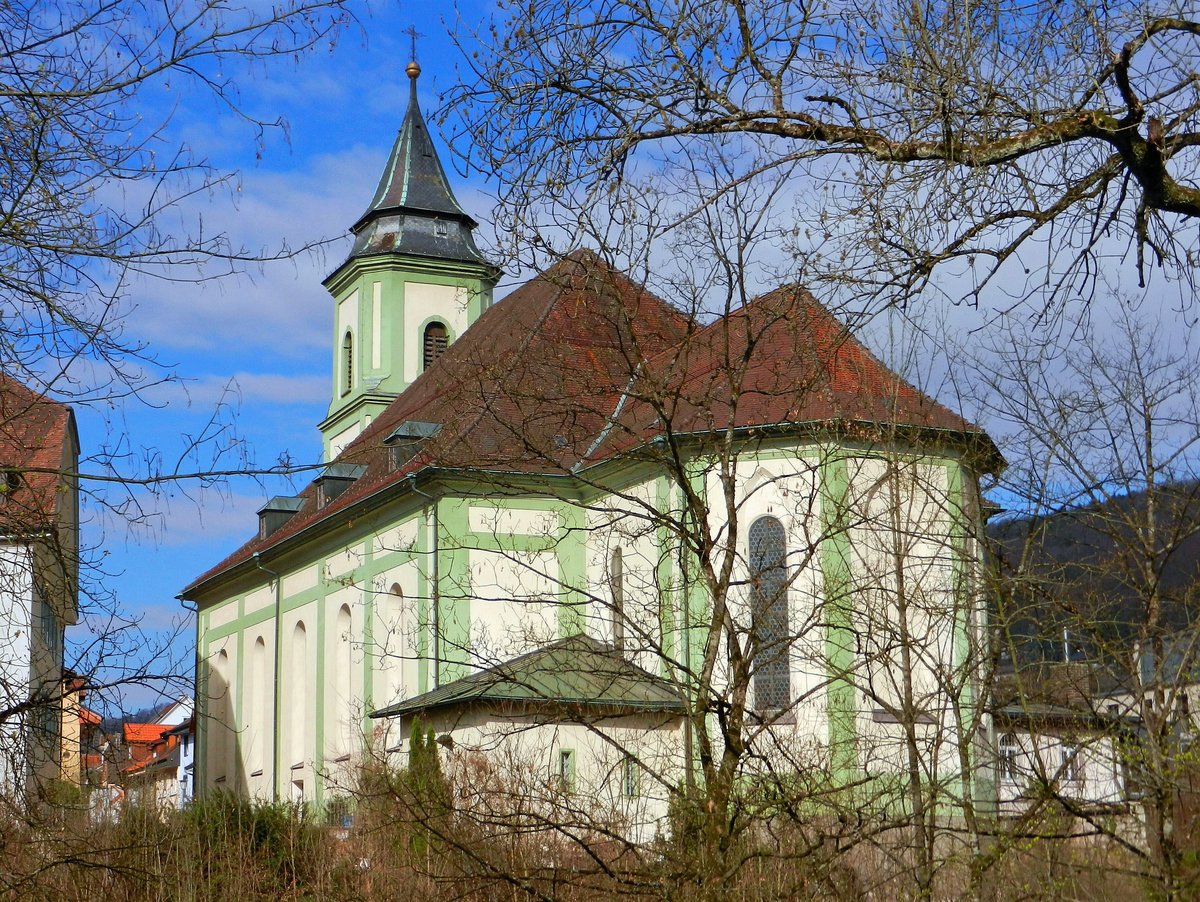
414, 211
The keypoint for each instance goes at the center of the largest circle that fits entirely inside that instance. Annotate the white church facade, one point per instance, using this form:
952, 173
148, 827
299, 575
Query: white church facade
572, 530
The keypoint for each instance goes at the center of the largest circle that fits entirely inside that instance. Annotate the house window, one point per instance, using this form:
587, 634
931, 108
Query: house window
436, 338
1008, 758
769, 614
1072, 763
347, 363
616, 576
629, 778
565, 775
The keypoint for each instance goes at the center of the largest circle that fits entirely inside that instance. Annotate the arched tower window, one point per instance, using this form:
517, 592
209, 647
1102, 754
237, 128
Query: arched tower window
769, 614
616, 576
436, 338
347, 363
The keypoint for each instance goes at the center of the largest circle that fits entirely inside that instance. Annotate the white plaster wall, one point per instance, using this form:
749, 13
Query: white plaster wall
1096, 778
514, 603
623, 522
421, 302
299, 767
338, 443
395, 634
512, 521
219, 713
258, 708
343, 683
398, 538
16, 649
508, 766
913, 565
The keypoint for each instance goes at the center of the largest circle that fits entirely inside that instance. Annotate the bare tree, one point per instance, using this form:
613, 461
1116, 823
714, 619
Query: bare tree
1020, 145
94, 190
1099, 572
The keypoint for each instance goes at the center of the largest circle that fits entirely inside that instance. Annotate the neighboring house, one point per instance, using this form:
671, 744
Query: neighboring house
1097, 678
141, 739
487, 551
39, 535
81, 736
162, 774
160, 756
1057, 747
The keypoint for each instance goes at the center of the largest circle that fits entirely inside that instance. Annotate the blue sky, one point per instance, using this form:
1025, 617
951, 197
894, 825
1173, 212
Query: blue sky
254, 349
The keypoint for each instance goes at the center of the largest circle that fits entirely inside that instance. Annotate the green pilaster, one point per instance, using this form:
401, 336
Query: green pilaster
839, 639
454, 588
572, 569
319, 697
663, 576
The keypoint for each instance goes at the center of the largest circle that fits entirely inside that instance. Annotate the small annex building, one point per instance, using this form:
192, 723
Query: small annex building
39, 568
493, 550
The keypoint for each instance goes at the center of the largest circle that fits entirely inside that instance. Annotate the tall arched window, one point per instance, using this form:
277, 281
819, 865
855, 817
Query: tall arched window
616, 576
769, 614
298, 721
343, 669
259, 687
436, 338
347, 363
220, 744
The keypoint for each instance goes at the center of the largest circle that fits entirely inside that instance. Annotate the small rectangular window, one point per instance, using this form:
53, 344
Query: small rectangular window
1072, 763
629, 778
566, 770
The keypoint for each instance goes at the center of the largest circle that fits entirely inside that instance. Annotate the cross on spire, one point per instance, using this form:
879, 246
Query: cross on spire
413, 34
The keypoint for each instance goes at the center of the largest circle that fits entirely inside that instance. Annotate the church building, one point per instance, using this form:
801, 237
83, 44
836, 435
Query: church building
576, 530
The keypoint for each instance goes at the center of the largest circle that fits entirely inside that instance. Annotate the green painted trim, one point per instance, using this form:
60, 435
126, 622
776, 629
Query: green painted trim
370, 653
663, 573
239, 716
454, 588
572, 571
839, 638
320, 685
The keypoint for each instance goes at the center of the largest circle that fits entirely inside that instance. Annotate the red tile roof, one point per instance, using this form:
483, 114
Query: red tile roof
144, 733
581, 364
37, 439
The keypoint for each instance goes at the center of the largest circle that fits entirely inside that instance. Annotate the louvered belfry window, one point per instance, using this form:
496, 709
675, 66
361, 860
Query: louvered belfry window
769, 614
435, 343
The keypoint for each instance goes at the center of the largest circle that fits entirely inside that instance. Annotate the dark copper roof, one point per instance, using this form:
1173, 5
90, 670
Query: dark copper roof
414, 211
582, 364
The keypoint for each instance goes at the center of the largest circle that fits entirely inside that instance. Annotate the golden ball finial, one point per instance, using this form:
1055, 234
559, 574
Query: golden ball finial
413, 69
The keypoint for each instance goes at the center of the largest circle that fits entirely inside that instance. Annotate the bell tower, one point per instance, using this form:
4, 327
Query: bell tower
414, 282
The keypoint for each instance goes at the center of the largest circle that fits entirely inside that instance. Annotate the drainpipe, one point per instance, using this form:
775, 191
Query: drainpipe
436, 592
275, 681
